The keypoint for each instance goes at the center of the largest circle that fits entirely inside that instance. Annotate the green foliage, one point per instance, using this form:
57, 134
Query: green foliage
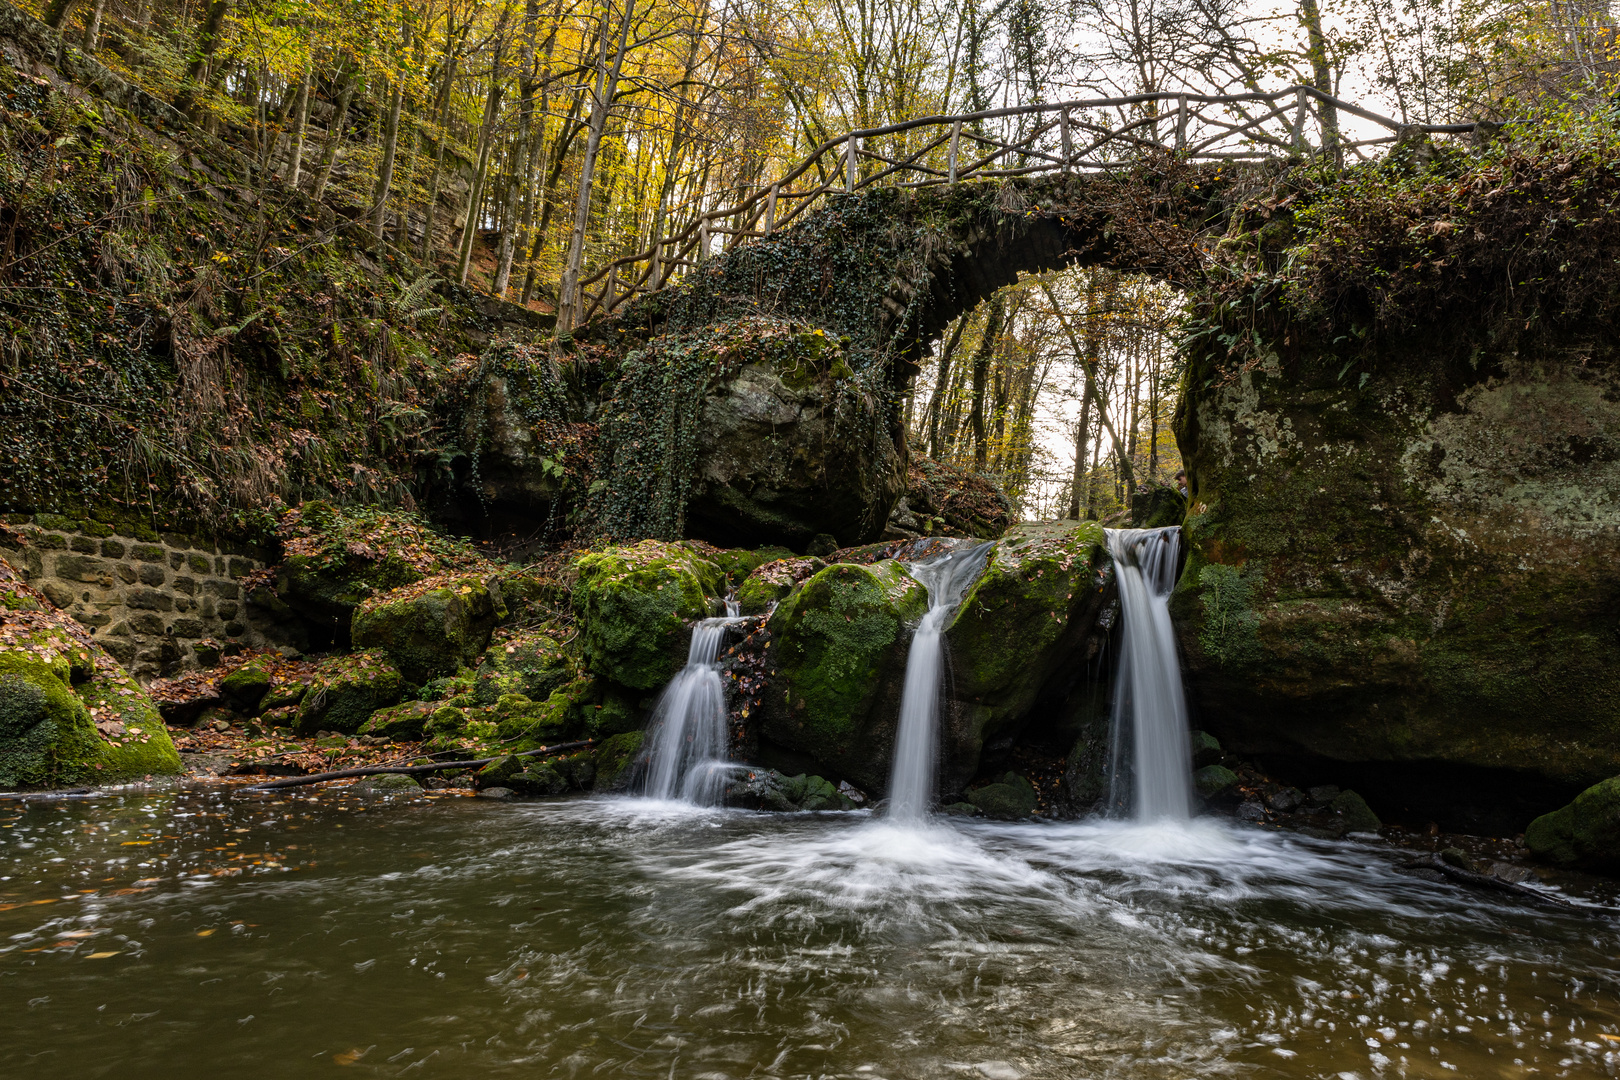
1229, 634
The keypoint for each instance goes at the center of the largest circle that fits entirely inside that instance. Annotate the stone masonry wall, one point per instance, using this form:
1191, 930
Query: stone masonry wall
158, 603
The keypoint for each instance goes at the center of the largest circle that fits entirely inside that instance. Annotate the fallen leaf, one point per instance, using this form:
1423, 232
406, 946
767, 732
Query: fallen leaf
102, 955
204, 933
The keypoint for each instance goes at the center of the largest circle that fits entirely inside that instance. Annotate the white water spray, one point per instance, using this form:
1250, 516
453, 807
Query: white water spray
916, 746
1152, 759
686, 760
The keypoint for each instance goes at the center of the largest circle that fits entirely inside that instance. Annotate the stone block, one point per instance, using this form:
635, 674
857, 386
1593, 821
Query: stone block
95, 528
55, 521
125, 573
235, 629
206, 607
120, 649
121, 630
84, 544
150, 600
225, 590
57, 593
152, 574
183, 603
146, 622
198, 562
219, 565
226, 609
177, 559
95, 619
184, 585
114, 549
50, 542
187, 628
79, 568
147, 552
241, 568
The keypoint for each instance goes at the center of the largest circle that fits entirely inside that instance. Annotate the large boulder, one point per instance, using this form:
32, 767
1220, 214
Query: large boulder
1016, 636
346, 690
1586, 833
840, 642
1405, 568
635, 605
431, 627
69, 714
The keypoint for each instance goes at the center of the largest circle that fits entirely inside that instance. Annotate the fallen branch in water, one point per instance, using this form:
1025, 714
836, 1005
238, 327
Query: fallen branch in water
413, 770
1463, 876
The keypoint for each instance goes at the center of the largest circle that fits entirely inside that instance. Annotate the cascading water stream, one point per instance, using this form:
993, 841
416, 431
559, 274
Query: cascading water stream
1152, 759
911, 779
686, 761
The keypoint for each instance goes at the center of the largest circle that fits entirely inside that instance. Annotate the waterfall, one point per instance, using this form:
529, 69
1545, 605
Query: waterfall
911, 781
686, 759
1150, 711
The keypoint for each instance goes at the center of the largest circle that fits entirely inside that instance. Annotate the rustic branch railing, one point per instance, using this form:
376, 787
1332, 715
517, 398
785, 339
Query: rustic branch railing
1067, 136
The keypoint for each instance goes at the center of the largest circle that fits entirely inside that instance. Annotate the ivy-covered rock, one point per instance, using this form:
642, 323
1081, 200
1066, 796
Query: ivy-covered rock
334, 559
346, 690
634, 606
840, 643
430, 627
615, 760
68, 713
1585, 833
1015, 637
771, 582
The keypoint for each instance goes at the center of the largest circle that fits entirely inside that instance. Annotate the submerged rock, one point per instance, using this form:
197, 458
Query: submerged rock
770, 790
634, 605
389, 783
1585, 833
840, 641
431, 627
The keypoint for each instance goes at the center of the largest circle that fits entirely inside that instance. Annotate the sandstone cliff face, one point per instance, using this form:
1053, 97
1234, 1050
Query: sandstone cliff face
1413, 564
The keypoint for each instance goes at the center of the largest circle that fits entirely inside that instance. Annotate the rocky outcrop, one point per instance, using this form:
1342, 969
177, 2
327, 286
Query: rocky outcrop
1406, 574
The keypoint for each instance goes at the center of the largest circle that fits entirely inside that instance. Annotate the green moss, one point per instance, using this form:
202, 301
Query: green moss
528, 662
1212, 780
615, 759
836, 639
404, 722
771, 582
1228, 634
246, 687
429, 628
739, 564
634, 605
346, 690
1584, 833
1012, 798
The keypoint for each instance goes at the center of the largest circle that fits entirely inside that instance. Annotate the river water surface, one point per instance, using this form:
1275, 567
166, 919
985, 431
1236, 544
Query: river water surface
200, 934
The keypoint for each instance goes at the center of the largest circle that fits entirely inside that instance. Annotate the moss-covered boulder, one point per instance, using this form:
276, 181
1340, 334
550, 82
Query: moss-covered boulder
335, 558
404, 722
1212, 781
768, 789
246, 687
1585, 833
615, 760
531, 662
840, 643
634, 606
1011, 798
68, 713
430, 627
1016, 636
771, 582
346, 690
738, 563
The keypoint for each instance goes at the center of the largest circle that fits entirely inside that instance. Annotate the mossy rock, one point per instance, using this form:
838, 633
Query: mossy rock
245, 688
635, 605
1012, 798
346, 690
1019, 627
1214, 780
404, 722
738, 564
615, 760
528, 662
335, 559
389, 784
539, 780
771, 583
567, 713
432, 627
55, 732
768, 789
1586, 833
840, 644
1354, 812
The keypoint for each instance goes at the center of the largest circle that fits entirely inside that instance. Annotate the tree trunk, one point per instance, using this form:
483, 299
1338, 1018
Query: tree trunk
981, 373
92, 30
607, 85
329, 155
1311, 15
475, 197
438, 156
1082, 432
207, 45
301, 126
942, 384
57, 12
385, 174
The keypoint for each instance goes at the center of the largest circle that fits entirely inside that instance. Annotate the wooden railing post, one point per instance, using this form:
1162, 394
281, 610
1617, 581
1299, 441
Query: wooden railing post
849, 163
1181, 123
956, 140
1299, 119
1068, 142
770, 209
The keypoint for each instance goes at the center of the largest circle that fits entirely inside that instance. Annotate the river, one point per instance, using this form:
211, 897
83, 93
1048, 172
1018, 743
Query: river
207, 932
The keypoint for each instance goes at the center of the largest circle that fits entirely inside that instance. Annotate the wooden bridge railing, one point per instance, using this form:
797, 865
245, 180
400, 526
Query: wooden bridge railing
1067, 136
